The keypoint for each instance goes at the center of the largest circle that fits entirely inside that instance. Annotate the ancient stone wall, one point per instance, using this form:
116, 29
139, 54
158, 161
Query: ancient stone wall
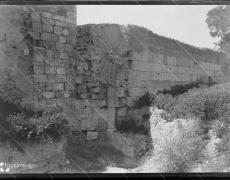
94, 72
142, 62
33, 37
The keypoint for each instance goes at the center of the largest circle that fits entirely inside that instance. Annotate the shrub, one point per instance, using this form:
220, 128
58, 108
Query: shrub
220, 127
24, 128
181, 89
223, 147
179, 146
165, 102
136, 121
206, 103
144, 100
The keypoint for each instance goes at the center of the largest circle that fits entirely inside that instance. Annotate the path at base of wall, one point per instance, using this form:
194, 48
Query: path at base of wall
96, 156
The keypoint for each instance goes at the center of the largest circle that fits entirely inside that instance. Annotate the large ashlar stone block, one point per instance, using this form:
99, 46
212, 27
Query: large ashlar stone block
92, 135
151, 57
136, 56
39, 69
57, 17
130, 101
39, 78
46, 15
157, 68
60, 78
150, 66
47, 21
47, 28
69, 86
96, 90
185, 62
89, 124
191, 62
171, 61
180, 70
154, 76
35, 17
61, 102
146, 56
71, 14
93, 84
80, 103
158, 58
164, 68
179, 62
121, 112
46, 36
120, 102
70, 20
138, 65
167, 77
59, 86
50, 70
100, 104
120, 92
37, 27
79, 80
61, 70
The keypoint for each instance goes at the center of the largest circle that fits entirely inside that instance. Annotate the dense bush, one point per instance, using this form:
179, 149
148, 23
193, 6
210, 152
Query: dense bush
181, 89
223, 147
178, 146
35, 128
142, 101
136, 121
165, 102
207, 103
220, 127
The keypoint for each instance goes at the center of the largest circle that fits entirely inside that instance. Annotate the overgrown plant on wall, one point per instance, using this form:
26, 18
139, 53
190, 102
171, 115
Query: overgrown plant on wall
181, 89
51, 126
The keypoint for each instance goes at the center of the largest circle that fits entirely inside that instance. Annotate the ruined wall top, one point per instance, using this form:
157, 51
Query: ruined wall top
141, 39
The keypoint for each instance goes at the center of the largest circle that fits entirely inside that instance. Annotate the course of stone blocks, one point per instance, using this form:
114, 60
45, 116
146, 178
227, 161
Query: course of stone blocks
94, 72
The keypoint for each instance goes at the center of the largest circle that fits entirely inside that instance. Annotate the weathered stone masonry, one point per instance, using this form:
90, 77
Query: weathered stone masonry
94, 72
140, 61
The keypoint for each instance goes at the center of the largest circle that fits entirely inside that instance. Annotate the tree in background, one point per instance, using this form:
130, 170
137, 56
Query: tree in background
218, 20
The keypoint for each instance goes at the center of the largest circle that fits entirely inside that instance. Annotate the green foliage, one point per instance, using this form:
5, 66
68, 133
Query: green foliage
220, 127
206, 103
24, 128
144, 100
136, 121
218, 23
223, 148
165, 102
181, 89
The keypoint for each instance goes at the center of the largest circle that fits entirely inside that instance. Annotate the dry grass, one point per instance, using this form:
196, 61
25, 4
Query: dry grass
178, 145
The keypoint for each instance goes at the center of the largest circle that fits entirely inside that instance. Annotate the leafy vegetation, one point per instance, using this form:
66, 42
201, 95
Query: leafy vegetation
137, 121
22, 128
143, 101
218, 23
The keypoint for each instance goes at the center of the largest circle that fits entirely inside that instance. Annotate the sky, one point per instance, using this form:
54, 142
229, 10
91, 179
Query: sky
184, 23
